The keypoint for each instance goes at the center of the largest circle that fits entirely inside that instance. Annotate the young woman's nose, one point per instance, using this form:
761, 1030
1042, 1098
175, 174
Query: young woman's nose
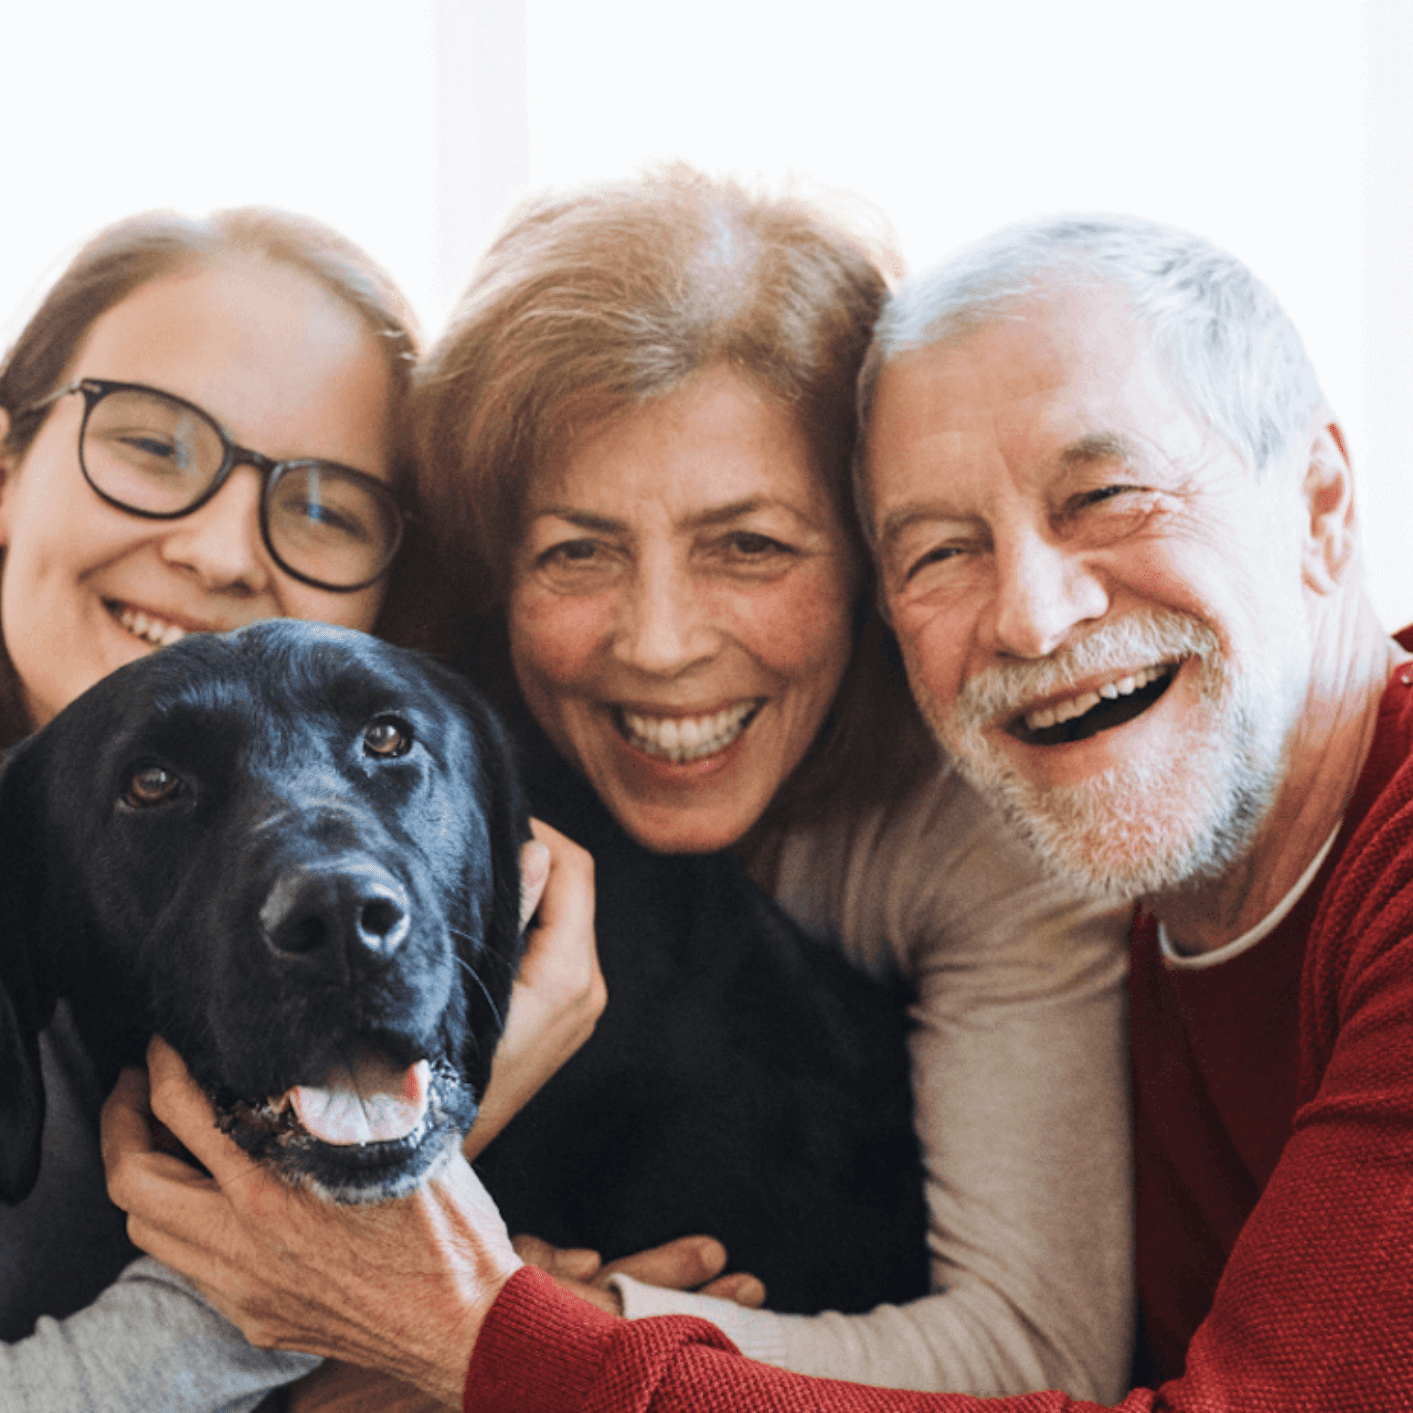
1043, 592
221, 543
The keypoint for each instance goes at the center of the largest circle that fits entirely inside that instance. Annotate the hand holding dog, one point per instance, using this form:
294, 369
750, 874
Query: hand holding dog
559, 990
401, 1286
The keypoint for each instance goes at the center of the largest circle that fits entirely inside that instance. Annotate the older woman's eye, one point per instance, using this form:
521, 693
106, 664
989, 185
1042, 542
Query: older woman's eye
151, 785
756, 546
571, 552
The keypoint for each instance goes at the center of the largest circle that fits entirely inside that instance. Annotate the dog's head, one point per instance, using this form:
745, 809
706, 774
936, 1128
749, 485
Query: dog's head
293, 852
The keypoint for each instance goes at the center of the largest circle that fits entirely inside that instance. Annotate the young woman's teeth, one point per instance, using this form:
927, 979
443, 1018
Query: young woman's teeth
155, 630
1061, 712
686, 738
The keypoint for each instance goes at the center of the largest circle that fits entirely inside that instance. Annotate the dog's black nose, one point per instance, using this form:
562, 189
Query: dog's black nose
355, 913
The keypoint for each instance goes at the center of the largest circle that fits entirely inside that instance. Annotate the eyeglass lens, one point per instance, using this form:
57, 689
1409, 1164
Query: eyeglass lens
158, 456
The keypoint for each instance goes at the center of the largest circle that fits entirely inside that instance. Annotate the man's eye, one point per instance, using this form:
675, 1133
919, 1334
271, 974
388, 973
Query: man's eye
387, 737
940, 555
151, 785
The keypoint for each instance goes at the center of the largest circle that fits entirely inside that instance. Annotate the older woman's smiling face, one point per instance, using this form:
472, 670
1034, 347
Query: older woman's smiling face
680, 610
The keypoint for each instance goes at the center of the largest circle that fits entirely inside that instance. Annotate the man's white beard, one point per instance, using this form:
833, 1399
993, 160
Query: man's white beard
1147, 825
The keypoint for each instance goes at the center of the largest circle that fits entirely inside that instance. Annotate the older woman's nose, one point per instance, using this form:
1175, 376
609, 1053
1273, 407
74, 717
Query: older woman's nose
664, 624
1043, 592
221, 543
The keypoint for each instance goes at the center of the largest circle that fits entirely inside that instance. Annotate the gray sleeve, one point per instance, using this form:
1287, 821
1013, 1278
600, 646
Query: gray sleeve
1021, 1095
148, 1344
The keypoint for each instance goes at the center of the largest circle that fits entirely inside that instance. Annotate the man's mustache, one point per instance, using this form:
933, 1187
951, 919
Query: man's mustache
1003, 690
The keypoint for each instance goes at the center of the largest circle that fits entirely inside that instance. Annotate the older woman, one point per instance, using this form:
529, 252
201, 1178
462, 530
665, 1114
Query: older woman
636, 437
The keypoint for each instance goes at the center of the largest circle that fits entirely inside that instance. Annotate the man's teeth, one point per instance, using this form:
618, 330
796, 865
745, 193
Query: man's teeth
686, 738
1064, 711
155, 630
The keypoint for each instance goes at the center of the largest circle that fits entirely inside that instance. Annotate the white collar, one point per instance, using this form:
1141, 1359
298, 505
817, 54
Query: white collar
1200, 961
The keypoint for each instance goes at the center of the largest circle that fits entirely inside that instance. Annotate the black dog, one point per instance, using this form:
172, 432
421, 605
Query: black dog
745, 1082
292, 851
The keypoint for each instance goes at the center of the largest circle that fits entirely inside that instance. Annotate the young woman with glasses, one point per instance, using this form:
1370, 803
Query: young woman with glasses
198, 429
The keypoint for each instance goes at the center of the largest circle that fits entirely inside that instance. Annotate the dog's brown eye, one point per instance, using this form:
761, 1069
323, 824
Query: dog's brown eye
387, 738
151, 785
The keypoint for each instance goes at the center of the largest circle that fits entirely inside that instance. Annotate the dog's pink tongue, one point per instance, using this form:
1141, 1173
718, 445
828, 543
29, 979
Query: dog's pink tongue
376, 1102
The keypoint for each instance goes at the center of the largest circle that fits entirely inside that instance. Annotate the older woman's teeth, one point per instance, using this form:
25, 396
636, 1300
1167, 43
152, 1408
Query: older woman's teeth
686, 738
1061, 712
155, 630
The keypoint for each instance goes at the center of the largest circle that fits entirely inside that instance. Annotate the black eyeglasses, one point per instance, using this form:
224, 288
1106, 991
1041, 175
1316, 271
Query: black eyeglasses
159, 456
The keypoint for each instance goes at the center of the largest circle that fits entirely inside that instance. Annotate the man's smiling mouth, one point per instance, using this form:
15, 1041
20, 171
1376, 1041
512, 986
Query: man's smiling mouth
681, 739
1079, 717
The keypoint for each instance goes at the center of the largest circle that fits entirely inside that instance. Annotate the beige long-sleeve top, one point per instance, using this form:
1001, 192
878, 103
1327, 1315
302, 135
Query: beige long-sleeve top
1020, 1077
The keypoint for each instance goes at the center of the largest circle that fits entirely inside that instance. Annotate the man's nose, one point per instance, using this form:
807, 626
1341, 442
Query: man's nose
1043, 592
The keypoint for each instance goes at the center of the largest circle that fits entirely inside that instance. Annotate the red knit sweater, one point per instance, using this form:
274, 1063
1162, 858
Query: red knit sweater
1275, 1141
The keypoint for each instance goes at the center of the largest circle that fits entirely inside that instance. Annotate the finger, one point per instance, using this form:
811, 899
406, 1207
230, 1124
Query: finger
137, 1164
179, 1103
741, 1288
534, 874
566, 910
683, 1264
125, 1125
575, 1263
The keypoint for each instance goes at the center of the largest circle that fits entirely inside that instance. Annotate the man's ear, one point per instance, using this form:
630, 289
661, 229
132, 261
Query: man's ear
1328, 496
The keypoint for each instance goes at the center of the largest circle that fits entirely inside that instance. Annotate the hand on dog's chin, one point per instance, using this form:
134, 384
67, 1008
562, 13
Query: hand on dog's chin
401, 1286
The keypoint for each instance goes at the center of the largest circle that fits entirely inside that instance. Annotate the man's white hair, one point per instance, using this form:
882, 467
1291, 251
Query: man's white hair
1228, 344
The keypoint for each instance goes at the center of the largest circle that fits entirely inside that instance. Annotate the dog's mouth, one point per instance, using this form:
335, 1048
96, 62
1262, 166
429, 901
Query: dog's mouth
373, 1128
373, 1101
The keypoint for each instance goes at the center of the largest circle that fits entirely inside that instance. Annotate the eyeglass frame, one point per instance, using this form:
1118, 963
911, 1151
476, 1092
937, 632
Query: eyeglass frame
94, 390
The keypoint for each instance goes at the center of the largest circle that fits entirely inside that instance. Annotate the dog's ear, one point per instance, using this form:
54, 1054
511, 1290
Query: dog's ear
26, 986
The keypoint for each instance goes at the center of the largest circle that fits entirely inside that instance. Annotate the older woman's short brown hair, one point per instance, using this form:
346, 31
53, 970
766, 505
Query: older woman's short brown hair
592, 304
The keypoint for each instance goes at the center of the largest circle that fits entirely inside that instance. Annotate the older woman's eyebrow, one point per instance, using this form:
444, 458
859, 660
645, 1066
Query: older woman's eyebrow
724, 514
584, 519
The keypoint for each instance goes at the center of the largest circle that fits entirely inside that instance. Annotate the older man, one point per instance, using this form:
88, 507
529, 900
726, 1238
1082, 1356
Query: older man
1114, 525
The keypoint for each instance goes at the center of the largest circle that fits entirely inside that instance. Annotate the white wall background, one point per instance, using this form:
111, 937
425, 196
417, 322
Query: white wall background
1282, 129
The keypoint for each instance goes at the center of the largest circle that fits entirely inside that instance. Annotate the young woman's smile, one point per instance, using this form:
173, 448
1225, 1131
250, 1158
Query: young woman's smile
680, 610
